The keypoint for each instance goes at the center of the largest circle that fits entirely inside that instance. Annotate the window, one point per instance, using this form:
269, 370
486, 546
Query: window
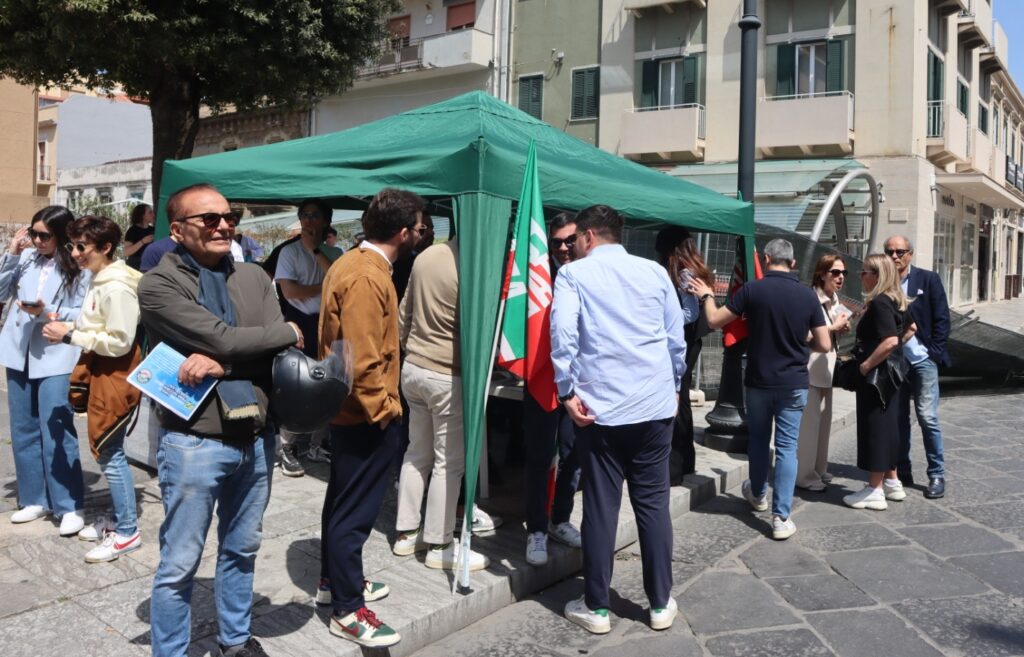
963, 96
461, 16
936, 27
398, 31
982, 118
74, 198
995, 126
531, 95
104, 195
585, 93
967, 262
936, 72
942, 250
137, 193
667, 83
810, 68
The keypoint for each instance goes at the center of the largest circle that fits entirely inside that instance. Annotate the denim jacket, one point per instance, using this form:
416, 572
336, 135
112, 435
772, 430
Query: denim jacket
22, 334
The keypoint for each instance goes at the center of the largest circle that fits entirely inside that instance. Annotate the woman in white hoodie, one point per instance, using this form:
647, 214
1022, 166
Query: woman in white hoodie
106, 332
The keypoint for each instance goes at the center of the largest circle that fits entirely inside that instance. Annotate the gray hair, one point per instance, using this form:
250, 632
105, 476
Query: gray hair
779, 252
910, 245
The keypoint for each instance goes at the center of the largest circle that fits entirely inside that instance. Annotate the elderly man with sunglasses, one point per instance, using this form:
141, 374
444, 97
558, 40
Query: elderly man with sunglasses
224, 317
926, 351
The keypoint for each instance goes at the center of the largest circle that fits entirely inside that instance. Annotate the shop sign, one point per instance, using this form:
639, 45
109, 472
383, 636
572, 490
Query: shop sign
971, 209
948, 200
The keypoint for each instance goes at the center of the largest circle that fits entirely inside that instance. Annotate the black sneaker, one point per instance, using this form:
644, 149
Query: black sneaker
290, 464
250, 648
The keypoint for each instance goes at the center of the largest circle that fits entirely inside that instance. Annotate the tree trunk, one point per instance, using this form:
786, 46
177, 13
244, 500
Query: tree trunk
174, 107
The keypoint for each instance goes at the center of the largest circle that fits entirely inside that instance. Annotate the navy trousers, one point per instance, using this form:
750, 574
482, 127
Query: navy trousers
361, 459
637, 453
543, 432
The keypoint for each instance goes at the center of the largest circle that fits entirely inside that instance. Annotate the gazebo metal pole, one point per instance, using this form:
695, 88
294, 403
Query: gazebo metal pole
728, 428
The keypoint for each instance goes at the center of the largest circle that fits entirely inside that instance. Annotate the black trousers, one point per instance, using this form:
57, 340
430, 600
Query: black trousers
542, 433
310, 327
684, 456
361, 458
637, 453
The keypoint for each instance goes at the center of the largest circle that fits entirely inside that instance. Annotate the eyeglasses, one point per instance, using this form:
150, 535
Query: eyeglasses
40, 235
899, 253
310, 215
212, 220
869, 272
422, 230
569, 242
76, 246
837, 272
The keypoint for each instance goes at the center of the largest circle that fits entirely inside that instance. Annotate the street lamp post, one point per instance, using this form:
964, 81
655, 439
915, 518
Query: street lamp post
728, 429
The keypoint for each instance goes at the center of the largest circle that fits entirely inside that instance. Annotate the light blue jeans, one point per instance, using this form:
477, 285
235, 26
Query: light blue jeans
923, 386
46, 459
196, 475
786, 408
122, 487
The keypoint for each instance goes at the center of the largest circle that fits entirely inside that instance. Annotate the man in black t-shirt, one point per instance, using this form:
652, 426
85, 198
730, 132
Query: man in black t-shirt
785, 323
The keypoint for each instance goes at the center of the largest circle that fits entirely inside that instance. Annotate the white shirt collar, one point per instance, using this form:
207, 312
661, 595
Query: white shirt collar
373, 247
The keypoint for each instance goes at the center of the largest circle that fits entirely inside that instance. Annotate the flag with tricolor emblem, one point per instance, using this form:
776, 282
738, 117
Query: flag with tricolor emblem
525, 343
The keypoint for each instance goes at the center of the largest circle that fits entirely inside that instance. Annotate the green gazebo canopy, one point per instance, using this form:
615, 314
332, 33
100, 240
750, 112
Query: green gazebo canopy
471, 149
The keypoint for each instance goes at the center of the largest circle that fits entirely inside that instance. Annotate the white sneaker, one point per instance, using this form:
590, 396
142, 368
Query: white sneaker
564, 532
447, 557
661, 619
409, 543
537, 549
318, 454
867, 498
894, 493
97, 530
592, 620
484, 523
29, 513
782, 529
113, 546
757, 503
71, 523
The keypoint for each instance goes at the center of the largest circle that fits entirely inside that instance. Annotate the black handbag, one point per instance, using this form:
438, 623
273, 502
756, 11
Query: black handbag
846, 372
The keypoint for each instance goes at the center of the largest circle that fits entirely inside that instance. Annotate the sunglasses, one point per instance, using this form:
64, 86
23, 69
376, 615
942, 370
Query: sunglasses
76, 246
40, 235
557, 242
837, 272
212, 220
899, 253
422, 230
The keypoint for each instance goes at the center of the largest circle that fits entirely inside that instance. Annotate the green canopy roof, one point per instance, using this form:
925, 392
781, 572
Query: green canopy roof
470, 143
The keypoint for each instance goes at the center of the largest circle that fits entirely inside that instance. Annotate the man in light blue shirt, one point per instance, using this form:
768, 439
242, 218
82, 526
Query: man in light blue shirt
618, 353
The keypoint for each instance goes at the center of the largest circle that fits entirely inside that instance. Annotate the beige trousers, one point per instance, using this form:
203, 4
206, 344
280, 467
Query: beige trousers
436, 451
815, 427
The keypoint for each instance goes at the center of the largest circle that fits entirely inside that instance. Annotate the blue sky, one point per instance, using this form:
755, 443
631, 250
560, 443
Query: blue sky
1010, 14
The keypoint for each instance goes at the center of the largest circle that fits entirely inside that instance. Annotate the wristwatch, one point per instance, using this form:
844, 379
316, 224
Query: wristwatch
705, 297
564, 398
67, 337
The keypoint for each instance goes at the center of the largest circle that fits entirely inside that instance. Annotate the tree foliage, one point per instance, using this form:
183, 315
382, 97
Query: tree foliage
180, 54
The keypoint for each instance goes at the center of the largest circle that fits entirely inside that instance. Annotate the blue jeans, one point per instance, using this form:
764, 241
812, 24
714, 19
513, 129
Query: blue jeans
122, 487
924, 387
786, 408
46, 460
197, 474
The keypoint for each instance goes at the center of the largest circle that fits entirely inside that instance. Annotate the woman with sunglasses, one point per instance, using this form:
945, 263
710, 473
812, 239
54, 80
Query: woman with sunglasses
105, 330
45, 283
816, 423
880, 332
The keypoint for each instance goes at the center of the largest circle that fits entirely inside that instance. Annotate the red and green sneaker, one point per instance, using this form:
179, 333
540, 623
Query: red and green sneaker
363, 627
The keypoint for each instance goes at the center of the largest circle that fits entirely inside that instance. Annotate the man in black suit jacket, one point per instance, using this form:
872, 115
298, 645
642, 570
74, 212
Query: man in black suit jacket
926, 351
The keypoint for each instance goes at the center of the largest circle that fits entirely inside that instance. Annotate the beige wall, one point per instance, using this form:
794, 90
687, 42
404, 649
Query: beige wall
17, 152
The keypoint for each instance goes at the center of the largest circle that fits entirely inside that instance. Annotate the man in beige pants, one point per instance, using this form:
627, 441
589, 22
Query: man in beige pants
429, 335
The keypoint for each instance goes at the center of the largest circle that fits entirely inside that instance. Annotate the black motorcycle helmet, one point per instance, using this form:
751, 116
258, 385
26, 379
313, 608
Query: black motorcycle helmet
307, 393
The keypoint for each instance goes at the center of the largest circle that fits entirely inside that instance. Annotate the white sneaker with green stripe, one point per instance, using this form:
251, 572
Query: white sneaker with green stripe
592, 620
661, 618
371, 591
363, 627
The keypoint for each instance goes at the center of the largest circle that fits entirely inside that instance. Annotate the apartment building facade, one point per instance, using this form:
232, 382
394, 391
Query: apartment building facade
915, 92
19, 158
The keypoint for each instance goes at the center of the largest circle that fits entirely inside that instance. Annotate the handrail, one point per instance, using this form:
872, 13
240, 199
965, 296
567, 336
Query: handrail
812, 94
657, 108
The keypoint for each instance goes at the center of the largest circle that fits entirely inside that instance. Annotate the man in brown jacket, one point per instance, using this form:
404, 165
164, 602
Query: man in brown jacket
359, 305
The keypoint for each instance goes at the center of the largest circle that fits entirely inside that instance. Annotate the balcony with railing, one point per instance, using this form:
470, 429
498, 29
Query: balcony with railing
806, 124
671, 133
948, 134
996, 58
974, 26
45, 173
450, 52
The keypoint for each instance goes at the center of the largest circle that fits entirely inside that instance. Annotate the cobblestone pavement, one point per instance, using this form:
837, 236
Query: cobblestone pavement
923, 579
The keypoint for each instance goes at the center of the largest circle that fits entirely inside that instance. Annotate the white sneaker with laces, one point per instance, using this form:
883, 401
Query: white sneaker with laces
483, 522
661, 619
113, 546
71, 523
447, 557
97, 530
867, 498
757, 503
29, 513
782, 529
894, 493
537, 549
409, 543
592, 620
565, 532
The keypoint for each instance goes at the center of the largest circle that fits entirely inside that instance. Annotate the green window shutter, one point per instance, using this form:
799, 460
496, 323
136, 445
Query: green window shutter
584, 93
649, 84
785, 84
592, 93
834, 66
689, 80
531, 94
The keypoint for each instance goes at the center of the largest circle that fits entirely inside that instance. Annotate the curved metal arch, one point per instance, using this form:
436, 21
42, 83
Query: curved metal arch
834, 196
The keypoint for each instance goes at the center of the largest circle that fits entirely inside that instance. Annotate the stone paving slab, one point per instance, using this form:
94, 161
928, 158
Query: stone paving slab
870, 633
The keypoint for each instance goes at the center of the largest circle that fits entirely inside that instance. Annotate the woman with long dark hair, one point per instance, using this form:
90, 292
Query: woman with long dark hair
45, 283
678, 253
139, 235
